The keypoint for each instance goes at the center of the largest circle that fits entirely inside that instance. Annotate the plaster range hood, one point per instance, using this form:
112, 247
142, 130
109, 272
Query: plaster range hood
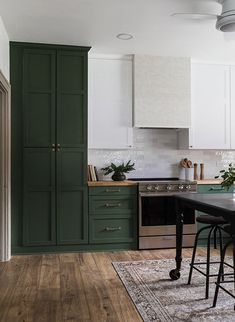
162, 92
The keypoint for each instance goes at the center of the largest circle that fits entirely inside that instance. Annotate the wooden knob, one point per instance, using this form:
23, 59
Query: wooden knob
201, 171
195, 172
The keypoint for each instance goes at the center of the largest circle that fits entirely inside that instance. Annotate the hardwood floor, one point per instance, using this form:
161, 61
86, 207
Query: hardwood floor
70, 287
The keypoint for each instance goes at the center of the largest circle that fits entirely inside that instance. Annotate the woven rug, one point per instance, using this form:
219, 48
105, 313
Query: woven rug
158, 298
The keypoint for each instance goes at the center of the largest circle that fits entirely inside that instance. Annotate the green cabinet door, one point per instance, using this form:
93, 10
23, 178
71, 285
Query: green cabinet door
38, 135
39, 197
39, 97
72, 219
72, 99
72, 208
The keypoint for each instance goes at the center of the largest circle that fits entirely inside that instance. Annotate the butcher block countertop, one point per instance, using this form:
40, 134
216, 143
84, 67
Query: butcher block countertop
125, 183
209, 181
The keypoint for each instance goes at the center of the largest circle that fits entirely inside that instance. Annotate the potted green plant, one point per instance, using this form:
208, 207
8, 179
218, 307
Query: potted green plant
119, 170
228, 177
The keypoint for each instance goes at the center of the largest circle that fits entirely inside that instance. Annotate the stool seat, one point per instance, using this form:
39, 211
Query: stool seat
211, 220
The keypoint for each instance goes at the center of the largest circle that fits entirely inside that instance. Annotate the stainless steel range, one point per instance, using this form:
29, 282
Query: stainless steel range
157, 217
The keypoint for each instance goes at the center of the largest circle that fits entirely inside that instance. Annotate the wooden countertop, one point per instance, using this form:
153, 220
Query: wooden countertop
209, 181
125, 183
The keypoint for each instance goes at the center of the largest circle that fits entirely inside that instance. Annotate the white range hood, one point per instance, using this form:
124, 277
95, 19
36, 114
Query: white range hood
162, 95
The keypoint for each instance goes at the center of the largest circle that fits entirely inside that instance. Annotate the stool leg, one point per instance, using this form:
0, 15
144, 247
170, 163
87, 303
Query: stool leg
215, 241
208, 261
220, 273
194, 252
234, 263
221, 249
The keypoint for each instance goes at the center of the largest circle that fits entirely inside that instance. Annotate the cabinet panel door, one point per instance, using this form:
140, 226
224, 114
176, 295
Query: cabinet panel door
39, 98
210, 106
232, 70
39, 197
72, 212
110, 103
71, 99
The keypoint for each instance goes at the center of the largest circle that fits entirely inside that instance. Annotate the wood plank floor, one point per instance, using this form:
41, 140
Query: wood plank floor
74, 287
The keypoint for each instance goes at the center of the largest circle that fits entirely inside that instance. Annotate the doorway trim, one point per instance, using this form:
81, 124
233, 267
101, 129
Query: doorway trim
5, 169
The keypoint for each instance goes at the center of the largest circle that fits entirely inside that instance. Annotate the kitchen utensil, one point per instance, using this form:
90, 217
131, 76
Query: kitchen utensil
183, 163
189, 164
195, 176
201, 171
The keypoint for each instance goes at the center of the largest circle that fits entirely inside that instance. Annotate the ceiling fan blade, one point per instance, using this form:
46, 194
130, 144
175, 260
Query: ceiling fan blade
194, 16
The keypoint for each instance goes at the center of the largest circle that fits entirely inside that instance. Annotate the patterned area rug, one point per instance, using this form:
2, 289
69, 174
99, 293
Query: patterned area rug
158, 298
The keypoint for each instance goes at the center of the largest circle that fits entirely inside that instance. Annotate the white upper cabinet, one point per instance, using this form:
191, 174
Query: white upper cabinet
110, 103
161, 92
210, 106
232, 69
210, 92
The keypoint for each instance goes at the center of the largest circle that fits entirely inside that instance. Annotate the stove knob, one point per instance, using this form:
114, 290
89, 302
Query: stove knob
188, 187
181, 187
149, 188
157, 187
169, 187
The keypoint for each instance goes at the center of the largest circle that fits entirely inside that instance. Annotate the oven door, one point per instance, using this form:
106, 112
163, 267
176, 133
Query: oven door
157, 215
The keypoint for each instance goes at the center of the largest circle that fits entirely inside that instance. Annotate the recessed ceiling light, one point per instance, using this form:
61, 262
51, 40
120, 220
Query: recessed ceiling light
124, 36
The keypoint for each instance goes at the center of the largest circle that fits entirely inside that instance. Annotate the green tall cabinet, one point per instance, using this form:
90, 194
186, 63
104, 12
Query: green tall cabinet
49, 146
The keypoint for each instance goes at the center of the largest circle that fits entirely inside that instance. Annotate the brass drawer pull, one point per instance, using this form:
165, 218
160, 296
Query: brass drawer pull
112, 190
113, 228
109, 205
216, 189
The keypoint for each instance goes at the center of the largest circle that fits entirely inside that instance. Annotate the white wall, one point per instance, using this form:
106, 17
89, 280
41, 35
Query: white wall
4, 50
155, 154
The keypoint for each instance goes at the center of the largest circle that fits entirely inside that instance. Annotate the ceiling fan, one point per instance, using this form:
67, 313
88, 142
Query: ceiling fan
225, 22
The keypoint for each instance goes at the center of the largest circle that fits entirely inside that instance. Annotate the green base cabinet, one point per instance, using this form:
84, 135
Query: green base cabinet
208, 188
113, 216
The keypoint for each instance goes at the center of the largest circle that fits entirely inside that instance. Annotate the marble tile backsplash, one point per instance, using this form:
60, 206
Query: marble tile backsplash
155, 154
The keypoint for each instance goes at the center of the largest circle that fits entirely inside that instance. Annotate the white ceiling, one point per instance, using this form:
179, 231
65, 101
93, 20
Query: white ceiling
97, 22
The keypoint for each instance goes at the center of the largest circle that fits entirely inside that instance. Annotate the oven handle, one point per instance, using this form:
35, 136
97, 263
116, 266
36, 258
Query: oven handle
157, 194
160, 194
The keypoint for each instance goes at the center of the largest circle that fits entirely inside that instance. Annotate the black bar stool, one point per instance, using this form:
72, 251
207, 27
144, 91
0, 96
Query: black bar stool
221, 275
214, 226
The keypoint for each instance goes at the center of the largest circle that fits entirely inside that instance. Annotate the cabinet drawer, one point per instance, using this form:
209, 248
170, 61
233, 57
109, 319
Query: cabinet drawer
100, 205
212, 188
112, 191
110, 230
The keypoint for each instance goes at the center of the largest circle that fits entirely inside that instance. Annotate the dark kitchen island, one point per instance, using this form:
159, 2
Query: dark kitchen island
211, 204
